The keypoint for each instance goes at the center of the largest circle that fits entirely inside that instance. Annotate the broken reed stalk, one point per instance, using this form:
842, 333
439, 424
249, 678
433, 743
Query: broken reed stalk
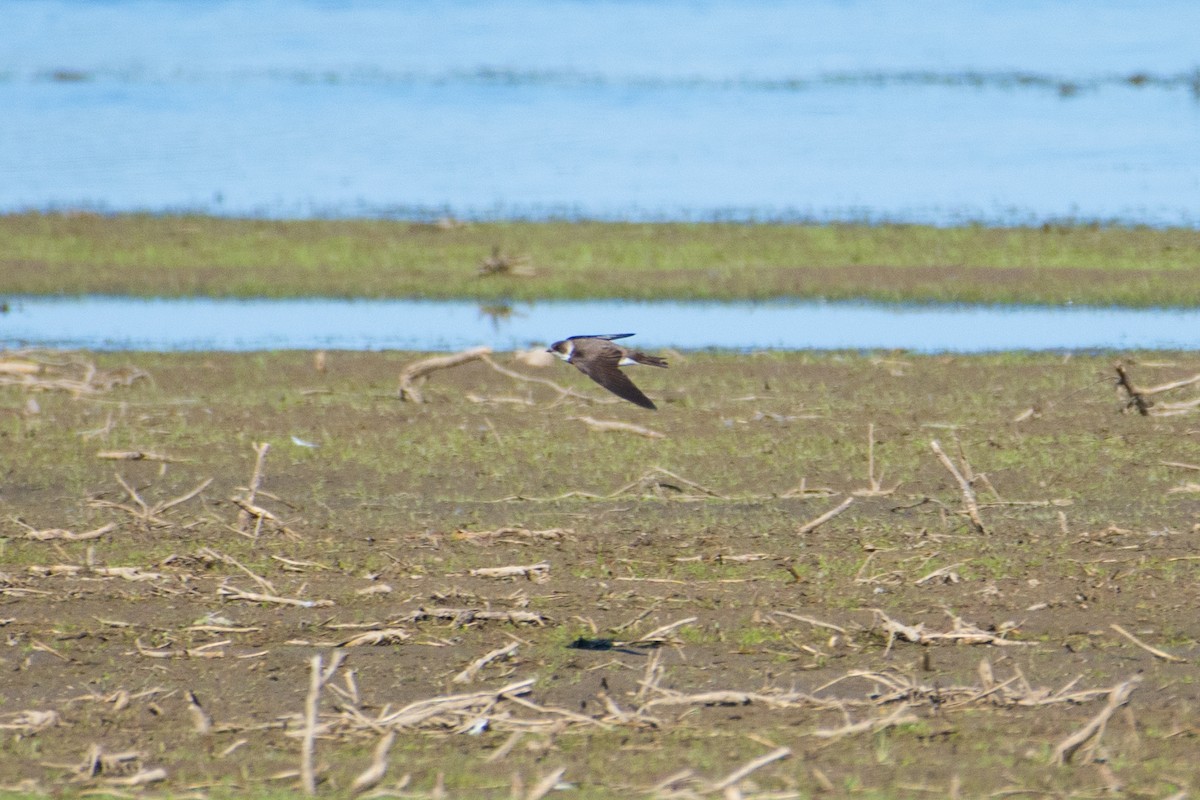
468, 674
812, 525
1117, 697
420, 369
1154, 651
968, 493
256, 478
738, 774
372, 775
318, 677
624, 427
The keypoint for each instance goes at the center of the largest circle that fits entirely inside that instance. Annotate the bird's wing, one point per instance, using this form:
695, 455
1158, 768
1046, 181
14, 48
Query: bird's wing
604, 371
609, 336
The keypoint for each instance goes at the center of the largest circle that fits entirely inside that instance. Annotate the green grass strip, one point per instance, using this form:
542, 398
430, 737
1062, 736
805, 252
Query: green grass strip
145, 255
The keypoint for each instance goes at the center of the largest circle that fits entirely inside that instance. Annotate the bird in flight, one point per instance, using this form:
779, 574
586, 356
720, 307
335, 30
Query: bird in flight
597, 357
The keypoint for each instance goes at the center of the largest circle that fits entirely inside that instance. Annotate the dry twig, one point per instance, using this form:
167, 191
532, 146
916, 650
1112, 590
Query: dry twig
615, 425
1117, 697
968, 492
1154, 651
419, 370
812, 525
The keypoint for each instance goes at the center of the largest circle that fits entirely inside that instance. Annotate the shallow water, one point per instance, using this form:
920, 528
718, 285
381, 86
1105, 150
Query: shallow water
939, 112
118, 323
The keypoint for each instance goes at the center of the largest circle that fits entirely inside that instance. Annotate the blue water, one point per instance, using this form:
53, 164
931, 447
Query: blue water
118, 323
939, 111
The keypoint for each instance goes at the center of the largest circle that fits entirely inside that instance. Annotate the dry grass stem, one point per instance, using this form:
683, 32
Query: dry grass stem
135, 455
233, 593
318, 676
874, 483
546, 784
372, 775
246, 501
377, 637
815, 622
1094, 729
208, 554
419, 370
1154, 651
752, 766
605, 425
533, 572
76, 377
513, 535
961, 631
149, 515
53, 534
465, 616
473, 669
968, 492
562, 391
900, 716
813, 524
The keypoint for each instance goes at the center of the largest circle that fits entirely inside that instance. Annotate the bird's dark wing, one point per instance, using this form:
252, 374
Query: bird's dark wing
609, 336
604, 371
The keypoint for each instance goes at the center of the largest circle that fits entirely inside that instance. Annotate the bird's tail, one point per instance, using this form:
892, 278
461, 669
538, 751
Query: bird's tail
649, 361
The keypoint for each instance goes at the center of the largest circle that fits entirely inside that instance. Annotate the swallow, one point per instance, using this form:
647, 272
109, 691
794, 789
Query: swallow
597, 357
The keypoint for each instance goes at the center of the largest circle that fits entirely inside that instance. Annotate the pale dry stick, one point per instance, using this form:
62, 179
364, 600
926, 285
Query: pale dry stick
415, 713
734, 697
506, 748
968, 493
898, 717
318, 677
752, 766
661, 633
946, 573
376, 637
531, 571
208, 552
420, 369
372, 775
812, 525
1166, 387
256, 478
463, 616
233, 593
145, 512
472, 669
605, 425
874, 484
135, 455
650, 679
52, 534
1117, 697
1154, 651
563, 391
815, 622
141, 778
546, 784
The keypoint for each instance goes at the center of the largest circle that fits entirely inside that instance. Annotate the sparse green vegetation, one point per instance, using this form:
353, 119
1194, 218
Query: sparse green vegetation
384, 524
147, 255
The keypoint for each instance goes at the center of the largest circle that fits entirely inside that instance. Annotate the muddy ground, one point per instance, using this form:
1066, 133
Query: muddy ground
674, 624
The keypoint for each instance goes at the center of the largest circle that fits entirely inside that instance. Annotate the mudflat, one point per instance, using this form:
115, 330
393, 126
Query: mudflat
882, 574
